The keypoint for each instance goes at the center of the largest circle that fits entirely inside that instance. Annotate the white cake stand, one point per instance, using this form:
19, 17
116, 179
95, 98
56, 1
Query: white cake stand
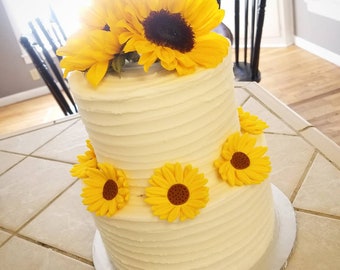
278, 254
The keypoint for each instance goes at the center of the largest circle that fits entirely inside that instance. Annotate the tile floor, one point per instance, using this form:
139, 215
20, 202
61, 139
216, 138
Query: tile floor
43, 224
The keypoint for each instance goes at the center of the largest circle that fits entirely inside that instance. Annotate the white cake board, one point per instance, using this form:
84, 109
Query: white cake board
280, 251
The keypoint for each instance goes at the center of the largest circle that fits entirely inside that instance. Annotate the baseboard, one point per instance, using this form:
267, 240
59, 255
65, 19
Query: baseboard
317, 50
36, 92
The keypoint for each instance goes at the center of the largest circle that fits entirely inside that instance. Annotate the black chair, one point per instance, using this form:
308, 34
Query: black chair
49, 59
248, 70
46, 75
57, 30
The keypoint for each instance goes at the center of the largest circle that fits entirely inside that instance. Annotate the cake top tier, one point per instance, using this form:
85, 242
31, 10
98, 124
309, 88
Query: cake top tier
177, 33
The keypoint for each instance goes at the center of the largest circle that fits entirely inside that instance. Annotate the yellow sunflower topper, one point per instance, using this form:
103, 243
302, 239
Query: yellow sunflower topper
94, 47
88, 160
178, 33
241, 162
251, 123
177, 192
106, 190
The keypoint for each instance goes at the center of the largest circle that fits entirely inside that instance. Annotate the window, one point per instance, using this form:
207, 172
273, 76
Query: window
21, 12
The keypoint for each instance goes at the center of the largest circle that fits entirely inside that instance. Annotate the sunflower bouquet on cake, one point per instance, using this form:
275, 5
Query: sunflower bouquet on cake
177, 33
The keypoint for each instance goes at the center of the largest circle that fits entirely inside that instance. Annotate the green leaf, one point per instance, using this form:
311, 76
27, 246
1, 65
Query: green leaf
118, 62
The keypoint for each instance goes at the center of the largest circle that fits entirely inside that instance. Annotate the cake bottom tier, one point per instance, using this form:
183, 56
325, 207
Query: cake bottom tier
232, 232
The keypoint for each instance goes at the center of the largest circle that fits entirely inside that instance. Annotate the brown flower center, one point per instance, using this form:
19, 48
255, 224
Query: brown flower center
178, 194
240, 161
110, 190
169, 30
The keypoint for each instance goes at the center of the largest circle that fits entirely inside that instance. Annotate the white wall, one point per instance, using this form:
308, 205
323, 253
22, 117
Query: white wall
278, 28
316, 29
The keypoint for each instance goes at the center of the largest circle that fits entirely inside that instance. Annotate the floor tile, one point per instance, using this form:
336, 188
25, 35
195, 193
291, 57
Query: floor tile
241, 95
28, 187
3, 236
65, 224
30, 141
318, 244
18, 254
288, 169
279, 108
8, 160
67, 145
325, 145
275, 124
320, 190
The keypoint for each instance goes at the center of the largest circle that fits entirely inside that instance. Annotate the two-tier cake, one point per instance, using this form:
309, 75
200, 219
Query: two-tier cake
175, 174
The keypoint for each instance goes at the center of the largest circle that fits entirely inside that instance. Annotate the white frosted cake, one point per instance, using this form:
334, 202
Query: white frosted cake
175, 173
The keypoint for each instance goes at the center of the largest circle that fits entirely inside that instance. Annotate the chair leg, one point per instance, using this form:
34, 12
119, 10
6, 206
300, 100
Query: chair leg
50, 61
257, 43
237, 30
46, 76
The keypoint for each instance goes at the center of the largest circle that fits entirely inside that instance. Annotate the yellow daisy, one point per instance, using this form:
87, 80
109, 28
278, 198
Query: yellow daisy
241, 162
88, 160
177, 32
89, 51
177, 192
251, 123
106, 190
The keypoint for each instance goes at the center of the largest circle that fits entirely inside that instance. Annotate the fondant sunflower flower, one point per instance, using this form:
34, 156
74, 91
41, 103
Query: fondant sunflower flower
176, 32
251, 123
90, 51
241, 162
106, 190
86, 161
176, 192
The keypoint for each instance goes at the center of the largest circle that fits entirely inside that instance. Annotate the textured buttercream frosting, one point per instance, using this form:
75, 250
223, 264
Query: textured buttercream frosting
138, 122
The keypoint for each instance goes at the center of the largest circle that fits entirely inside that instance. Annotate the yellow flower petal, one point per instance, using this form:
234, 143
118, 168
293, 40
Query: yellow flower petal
97, 72
234, 170
198, 45
94, 190
155, 200
165, 203
174, 214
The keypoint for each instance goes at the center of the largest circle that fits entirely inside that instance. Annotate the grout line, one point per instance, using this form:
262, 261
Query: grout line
47, 205
16, 232
25, 156
281, 133
303, 176
55, 249
305, 128
298, 132
263, 104
246, 100
15, 164
52, 159
11, 152
39, 147
56, 135
321, 150
7, 231
38, 127
316, 213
